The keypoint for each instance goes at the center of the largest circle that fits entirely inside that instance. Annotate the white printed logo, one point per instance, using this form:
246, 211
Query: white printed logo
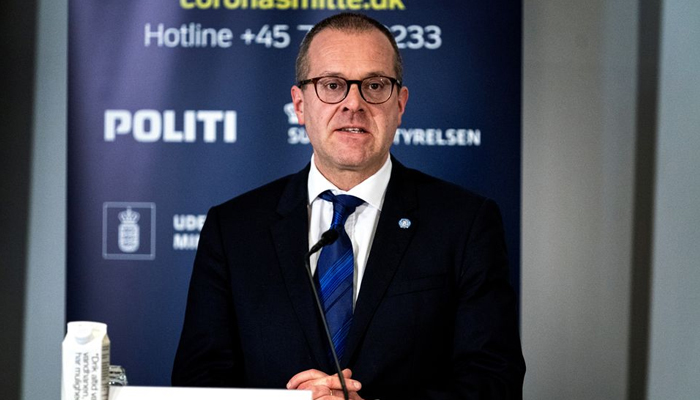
189, 126
291, 115
128, 231
187, 228
295, 134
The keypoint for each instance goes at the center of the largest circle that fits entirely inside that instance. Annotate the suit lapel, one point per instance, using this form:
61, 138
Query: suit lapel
290, 235
389, 244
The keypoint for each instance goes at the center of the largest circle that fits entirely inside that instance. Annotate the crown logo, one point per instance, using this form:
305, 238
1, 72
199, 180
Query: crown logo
129, 231
129, 216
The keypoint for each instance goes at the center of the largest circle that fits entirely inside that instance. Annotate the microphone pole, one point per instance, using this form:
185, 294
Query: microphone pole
328, 237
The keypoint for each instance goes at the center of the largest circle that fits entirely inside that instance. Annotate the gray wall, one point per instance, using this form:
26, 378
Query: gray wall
45, 285
579, 78
674, 368
611, 277
602, 291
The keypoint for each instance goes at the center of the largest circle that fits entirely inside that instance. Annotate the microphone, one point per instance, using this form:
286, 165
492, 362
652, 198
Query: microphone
328, 237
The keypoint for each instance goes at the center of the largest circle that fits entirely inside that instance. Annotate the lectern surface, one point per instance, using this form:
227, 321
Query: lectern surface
177, 393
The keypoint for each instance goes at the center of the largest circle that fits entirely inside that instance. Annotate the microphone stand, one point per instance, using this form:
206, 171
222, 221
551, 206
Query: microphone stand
328, 237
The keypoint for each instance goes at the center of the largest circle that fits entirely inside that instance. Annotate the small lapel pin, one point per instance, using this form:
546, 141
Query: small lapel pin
404, 223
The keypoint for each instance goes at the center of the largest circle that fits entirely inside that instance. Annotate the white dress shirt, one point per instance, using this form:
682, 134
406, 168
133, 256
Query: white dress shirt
360, 225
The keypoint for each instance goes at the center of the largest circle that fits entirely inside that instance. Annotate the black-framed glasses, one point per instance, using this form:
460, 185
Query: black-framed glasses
334, 89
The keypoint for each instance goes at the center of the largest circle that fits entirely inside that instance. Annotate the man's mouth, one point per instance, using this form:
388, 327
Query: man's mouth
352, 130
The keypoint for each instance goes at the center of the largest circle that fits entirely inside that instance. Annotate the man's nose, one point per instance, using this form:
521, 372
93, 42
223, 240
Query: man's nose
354, 101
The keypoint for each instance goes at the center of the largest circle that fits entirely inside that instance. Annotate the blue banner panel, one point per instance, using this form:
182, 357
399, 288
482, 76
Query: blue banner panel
178, 105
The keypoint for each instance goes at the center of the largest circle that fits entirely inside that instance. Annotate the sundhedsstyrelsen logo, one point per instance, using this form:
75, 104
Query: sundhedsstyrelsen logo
297, 134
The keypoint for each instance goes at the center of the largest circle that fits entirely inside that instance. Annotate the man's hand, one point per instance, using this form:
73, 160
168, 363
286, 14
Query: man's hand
324, 386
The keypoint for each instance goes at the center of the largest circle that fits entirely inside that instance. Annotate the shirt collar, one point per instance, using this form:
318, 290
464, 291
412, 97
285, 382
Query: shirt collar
371, 190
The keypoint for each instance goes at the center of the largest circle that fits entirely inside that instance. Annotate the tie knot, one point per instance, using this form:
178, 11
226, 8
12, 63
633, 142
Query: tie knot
343, 206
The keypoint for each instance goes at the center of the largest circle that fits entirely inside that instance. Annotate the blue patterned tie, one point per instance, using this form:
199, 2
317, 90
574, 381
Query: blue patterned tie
335, 269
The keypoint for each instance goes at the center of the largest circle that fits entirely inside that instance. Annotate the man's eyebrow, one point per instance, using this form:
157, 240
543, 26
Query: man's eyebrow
342, 75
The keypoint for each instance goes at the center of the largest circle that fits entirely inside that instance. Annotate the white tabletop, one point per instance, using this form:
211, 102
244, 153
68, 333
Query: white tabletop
177, 393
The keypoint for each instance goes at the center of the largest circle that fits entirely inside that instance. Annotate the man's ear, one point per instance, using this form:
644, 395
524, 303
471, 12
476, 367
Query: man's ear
298, 101
402, 100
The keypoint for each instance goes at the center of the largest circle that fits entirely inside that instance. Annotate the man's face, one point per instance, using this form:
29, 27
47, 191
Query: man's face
353, 135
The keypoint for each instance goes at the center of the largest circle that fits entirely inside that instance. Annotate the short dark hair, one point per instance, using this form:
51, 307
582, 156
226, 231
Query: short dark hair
345, 22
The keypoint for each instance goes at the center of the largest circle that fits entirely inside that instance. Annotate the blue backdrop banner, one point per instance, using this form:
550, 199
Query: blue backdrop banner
178, 105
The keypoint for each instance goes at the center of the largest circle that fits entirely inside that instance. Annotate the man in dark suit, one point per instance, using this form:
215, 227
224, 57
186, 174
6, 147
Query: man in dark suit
415, 288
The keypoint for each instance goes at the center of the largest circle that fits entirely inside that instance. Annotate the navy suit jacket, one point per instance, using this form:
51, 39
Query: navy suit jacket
435, 318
